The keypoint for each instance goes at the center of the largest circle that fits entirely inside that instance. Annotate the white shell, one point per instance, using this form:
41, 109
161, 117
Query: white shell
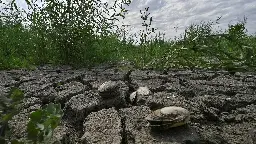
168, 117
109, 89
141, 91
108, 85
174, 110
133, 96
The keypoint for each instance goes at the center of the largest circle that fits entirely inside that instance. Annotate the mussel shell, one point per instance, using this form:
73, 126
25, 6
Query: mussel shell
109, 89
168, 117
108, 86
167, 124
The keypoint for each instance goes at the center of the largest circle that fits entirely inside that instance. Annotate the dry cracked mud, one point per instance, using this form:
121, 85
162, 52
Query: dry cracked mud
222, 104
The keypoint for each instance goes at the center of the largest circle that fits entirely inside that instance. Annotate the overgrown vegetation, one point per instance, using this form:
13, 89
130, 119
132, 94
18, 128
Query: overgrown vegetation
80, 33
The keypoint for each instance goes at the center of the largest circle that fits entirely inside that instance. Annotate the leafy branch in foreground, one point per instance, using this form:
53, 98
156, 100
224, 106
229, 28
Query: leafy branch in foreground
41, 125
43, 122
9, 108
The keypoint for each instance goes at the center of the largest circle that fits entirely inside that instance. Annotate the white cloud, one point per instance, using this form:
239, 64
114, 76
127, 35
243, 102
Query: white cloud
172, 13
168, 14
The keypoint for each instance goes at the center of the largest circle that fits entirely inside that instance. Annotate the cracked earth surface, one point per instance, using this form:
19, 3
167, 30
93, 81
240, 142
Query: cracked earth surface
222, 104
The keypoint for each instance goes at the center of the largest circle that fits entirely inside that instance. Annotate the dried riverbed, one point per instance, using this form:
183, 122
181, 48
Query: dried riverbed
222, 104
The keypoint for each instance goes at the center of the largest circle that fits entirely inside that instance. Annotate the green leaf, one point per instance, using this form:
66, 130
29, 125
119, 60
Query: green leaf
55, 122
32, 131
7, 117
54, 109
51, 108
16, 95
36, 116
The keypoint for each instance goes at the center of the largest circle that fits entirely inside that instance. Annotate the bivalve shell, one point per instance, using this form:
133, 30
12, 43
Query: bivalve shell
139, 94
109, 89
168, 117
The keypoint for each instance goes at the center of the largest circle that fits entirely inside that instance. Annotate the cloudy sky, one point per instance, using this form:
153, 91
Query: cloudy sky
168, 14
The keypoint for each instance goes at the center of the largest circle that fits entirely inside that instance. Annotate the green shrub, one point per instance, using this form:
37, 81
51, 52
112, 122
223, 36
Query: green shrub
43, 122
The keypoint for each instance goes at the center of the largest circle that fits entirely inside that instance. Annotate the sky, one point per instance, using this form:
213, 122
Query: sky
173, 16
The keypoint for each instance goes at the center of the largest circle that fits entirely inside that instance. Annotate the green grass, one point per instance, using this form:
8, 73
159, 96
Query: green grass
72, 41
